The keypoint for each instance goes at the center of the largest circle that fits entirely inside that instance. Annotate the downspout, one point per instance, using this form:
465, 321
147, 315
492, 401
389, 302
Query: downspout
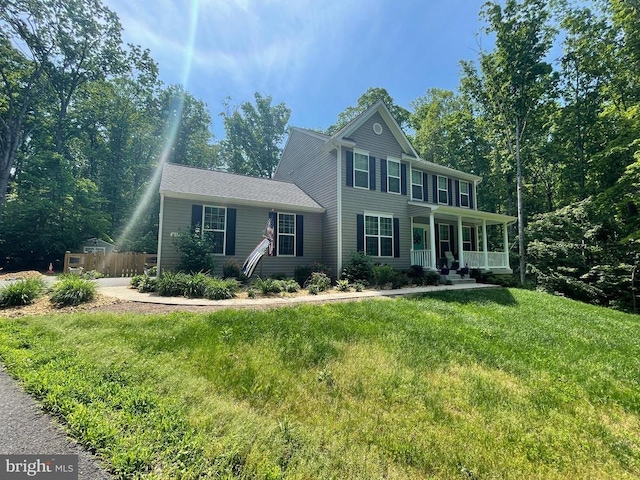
339, 206
160, 225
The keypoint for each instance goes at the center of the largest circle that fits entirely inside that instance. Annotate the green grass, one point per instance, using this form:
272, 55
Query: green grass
486, 384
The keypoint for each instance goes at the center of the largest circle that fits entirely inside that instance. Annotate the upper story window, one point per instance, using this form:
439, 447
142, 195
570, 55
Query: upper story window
464, 194
214, 222
361, 169
286, 234
417, 191
443, 190
393, 176
378, 235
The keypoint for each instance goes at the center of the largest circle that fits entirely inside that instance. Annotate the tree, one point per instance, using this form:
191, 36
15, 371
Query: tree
368, 98
63, 45
514, 80
254, 135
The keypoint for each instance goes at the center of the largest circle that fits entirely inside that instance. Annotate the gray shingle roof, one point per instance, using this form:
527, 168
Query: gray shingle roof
196, 183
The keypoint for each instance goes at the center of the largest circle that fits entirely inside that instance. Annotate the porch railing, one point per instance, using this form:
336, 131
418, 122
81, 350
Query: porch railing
474, 259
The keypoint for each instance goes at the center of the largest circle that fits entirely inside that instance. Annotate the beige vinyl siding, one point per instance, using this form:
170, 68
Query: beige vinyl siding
250, 224
305, 163
358, 201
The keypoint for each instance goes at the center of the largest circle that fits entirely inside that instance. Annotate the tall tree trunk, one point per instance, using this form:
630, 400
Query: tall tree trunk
523, 262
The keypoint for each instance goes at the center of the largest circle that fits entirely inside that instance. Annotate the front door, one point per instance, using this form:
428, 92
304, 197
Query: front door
418, 238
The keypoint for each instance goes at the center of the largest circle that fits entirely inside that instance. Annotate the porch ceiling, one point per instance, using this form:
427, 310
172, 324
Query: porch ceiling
445, 212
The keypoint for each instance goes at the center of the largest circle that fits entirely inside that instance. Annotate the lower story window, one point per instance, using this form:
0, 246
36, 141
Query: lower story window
286, 234
378, 234
466, 238
214, 225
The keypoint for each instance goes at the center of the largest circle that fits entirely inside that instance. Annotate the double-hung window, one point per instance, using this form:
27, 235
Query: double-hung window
286, 234
378, 235
464, 194
393, 176
214, 224
466, 239
361, 169
416, 185
443, 190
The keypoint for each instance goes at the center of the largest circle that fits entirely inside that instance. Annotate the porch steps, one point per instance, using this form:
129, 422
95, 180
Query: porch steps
456, 279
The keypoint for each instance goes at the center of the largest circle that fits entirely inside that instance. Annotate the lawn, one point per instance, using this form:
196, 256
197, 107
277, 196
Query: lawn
482, 384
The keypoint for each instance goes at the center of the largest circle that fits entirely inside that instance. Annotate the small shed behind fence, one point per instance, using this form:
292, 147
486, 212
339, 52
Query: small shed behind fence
97, 245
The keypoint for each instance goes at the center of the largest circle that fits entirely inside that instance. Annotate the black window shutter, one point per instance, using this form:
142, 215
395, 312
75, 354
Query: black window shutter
471, 195
473, 238
435, 189
383, 174
196, 216
452, 243
349, 168
230, 234
372, 173
273, 216
457, 192
425, 183
360, 233
437, 245
396, 238
450, 192
403, 178
299, 235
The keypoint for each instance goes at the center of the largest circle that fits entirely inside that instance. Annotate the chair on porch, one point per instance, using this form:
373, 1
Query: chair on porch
452, 263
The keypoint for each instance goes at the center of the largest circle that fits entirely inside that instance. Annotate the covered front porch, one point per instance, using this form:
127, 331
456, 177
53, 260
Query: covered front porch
459, 237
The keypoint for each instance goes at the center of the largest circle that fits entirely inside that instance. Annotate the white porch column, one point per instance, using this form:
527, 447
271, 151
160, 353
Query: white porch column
432, 240
485, 250
505, 239
460, 245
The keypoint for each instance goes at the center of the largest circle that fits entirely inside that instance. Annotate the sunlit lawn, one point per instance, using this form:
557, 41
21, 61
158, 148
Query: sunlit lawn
484, 384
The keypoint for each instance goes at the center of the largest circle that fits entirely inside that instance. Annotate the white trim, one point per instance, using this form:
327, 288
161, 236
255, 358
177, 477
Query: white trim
470, 242
202, 229
399, 177
365, 153
379, 236
295, 234
339, 202
160, 231
421, 183
438, 190
468, 194
231, 202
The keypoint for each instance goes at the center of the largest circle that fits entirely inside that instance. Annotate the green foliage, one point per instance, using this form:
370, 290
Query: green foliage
302, 272
221, 289
359, 286
198, 285
21, 292
342, 285
147, 284
231, 269
318, 282
358, 268
196, 251
173, 284
273, 286
72, 290
383, 274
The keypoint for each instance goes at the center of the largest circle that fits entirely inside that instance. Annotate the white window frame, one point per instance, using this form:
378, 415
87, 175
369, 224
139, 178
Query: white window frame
467, 194
446, 190
378, 235
287, 234
213, 230
440, 236
101, 250
467, 243
398, 177
355, 169
413, 184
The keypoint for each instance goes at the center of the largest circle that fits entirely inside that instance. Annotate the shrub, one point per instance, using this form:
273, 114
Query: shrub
383, 274
359, 286
272, 285
431, 278
72, 290
136, 280
151, 271
342, 285
358, 268
196, 285
148, 284
302, 272
318, 282
172, 284
417, 274
195, 250
231, 269
22, 292
221, 289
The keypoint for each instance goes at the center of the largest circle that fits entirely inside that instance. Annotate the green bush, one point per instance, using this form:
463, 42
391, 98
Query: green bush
272, 285
359, 286
318, 282
147, 284
195, 250
359, 268
22, 292
136, 280
342, 285
302, 272
196, 285
431, 278
417, 274
231, 269
221, 289
383, 274
72, 290
172, 284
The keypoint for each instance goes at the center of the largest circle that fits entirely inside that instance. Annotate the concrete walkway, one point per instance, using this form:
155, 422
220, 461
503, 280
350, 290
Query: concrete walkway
118, 288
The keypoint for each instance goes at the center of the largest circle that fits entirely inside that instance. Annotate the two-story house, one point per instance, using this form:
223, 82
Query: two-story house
362, 189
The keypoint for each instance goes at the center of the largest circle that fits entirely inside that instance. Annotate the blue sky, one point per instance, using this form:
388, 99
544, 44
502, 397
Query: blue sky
317, 56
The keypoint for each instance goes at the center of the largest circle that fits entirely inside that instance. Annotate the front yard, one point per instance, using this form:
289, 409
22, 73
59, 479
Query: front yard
490, 383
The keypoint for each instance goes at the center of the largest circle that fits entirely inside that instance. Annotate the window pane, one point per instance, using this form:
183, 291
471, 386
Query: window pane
218, 242
393, 169
214, 218
286, 245
442, 183
286, 224
464, 188
372, 246
464, 200
394, 185
416, 192
386, 247
386, 227
371, 226
362, 162
444, 232
466, 234
416, 177
362, 179
443, 196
